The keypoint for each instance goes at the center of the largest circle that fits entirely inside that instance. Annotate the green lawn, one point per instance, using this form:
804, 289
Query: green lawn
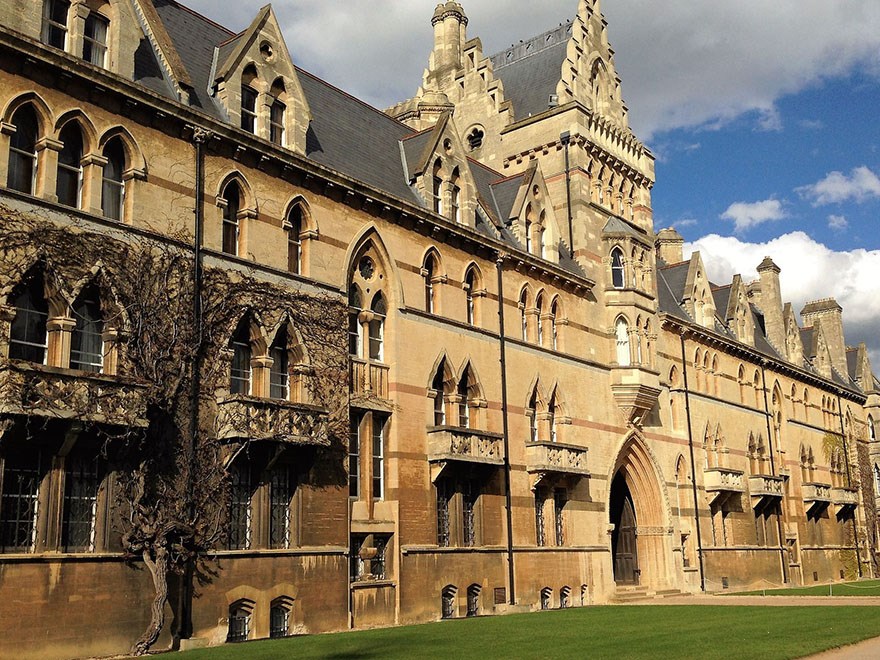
864, 588
650, 632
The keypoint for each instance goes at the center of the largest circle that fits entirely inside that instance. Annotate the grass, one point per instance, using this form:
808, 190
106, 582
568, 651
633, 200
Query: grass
707, 632
863, 588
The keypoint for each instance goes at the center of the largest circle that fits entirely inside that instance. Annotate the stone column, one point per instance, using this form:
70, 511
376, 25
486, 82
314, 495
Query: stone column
47, 168
93, 177
59, 331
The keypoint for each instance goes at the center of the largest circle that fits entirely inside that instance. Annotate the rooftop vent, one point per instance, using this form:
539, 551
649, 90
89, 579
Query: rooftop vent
553, 101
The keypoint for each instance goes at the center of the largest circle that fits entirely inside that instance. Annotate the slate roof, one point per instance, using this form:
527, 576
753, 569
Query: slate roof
670, 284
531, 71
414, 148
852, 362
147, 71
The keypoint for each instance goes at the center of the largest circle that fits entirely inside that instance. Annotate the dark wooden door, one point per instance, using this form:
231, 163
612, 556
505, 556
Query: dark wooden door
626, 557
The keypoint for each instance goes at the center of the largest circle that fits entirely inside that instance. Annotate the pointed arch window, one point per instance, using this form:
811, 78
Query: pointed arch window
551, 418
429, 272
529, 227
464, 410
279, 619
28, 339
231, 208
355, 329
249, 106
240, 621
876, 480
437, 187
55, 14
524, 313
533, 416
621, 331
541, 231
95, 39
113, 184
554, 325
86, 342
279, 372
470, 284
22, 174
68, 182
438, 385
456, 197
294, 229
539, 305
377, 328
240, 373
618, 275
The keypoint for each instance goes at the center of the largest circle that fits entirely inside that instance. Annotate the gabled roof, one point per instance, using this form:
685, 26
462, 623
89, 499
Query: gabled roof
504, 194
419, 148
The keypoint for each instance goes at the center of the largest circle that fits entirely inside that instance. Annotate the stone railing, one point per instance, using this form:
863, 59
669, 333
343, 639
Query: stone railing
765, 485
720, 479
252, 418
544, 456
35, 390
815, 493
451, 443
369, 378
845, 497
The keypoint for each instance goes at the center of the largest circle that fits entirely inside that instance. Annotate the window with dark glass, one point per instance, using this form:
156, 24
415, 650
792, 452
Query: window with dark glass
55, 13
470, 494
239, 623
279, 621
464, 410
294, 242
281, 488
559, 501
456, 201
240, 372
279, 372
473, 600
470, 282
447, 603
429, 285
540, 539
231, 209
551, 417
240, 510
354, 456
249, 109
19, 500
68, 184
355, 330
377, 328
444, 496
618, 279
377, 567
22, 172
533, 416
439, 398
378, 424
276, 122
86, 342
27, 337
82, 481
113, 185
95, 39
437, 189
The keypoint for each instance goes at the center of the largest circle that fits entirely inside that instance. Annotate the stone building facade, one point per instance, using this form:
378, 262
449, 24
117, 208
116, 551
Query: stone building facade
547, 403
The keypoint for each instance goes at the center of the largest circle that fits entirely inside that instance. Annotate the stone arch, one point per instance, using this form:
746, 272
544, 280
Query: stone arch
99, 277
41, 108
362, 242
134, 156
308, 218
86, 127
248, 199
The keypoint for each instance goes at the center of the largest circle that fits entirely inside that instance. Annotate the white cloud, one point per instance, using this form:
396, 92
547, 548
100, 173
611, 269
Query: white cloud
683, 63
685, 222
811, 124
769, 119
837, 222
861, 185
748, 214
810, 270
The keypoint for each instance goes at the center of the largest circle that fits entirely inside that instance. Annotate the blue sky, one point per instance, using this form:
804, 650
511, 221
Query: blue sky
763, 116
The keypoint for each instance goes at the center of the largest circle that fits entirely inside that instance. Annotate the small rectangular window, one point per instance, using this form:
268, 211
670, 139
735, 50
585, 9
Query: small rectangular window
444, 495
19, 502
559, 501
81, 484
276, 122
55, 13
281, 489
378, 456
249, 109
240, 509
354, 456
95, 39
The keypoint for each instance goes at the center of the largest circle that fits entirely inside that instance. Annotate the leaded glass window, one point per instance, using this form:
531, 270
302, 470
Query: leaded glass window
279, 372
240, 511
95, 39
444, 495
68, 186
27, 337
113, 185
55, 13
22, 174
86, 342
378, 423
81, 485
468, 511
19, 501
281, 489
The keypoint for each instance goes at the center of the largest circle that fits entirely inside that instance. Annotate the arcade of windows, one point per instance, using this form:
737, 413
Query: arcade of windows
630, 273
85, 35
434, 281
273, 126
634, 343
241, 619
541, 323
446, 195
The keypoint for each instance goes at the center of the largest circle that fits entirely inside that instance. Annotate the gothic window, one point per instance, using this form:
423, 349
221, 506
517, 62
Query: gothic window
279, 372
431, 273
756, 383
876, 480
470, 494
546, 598
618, 276
551, 417
28, 337
533, 416
559, 501
437, 187
444, 498
19, 501
231, 203
470, 285
69, 179
447, 602
475, 139
113, 184
743, 385
22, 174
276, 122
378, 428
541, 232
354, 455
540, 534
438, 386
872, 433
355, 329
294, 229
377, 328
564, 598
473, 600
55, 13
86, 342
248, 102
83, 478
529, 227
554, 325
621, 331
456, 197
240, 372
539, 305
240, 509
279, 618
95, 39
464, 411
524, 313
240, 621
282, 485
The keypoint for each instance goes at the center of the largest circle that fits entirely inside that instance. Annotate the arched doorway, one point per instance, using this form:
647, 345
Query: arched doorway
624, 548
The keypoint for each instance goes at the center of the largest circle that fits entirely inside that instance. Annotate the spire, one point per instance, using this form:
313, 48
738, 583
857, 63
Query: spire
450, 24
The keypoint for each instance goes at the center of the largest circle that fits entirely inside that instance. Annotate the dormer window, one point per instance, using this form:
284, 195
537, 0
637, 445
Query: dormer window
276, 122
437, 188
456, 198
95, 39
55, 13
249, 109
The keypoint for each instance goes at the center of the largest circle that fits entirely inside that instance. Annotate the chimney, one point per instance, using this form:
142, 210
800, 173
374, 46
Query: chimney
828, 315
771, 304
669, 245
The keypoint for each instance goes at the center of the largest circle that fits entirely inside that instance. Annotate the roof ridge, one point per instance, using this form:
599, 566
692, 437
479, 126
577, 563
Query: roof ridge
202, 17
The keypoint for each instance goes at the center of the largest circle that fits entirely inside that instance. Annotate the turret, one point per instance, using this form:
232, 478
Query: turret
829, 315
669, 244
450, 23
771, 304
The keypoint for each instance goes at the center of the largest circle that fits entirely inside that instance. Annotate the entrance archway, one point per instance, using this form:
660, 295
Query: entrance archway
624, 548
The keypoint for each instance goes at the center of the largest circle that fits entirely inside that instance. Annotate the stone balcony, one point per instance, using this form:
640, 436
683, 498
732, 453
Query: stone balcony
816, 495
369, 379
635, 390
34, 390
721, 483
553, 458
845, 498
452, 444
765, 487
242, 417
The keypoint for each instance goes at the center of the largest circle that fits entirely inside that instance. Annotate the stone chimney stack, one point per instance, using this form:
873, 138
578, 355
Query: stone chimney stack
771, 304
450, 25
828, 315
669, 245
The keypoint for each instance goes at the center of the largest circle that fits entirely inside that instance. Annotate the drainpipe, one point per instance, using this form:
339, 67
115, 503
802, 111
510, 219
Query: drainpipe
687, 408
502, 345
200, 138
849, 481
565, 138
779, 530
